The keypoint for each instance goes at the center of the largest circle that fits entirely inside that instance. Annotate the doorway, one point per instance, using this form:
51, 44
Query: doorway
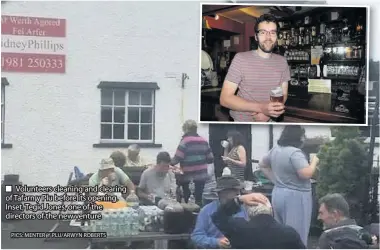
217, 133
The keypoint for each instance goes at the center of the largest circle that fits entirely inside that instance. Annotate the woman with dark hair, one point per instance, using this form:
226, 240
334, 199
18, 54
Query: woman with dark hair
288, 168
235, 156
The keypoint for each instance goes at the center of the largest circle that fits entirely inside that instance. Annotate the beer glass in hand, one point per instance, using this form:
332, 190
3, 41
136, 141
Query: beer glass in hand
276, 95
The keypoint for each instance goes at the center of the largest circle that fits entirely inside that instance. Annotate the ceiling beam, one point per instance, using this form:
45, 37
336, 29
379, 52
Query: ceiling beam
225, 24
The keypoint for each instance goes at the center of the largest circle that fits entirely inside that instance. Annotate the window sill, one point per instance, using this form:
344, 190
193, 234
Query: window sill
125, 145
6, 145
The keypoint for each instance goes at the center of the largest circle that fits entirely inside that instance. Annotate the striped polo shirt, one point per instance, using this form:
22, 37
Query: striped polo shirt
255, 77
193, 154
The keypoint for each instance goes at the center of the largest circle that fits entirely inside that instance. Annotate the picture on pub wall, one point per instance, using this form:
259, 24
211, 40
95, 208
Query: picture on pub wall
289, 64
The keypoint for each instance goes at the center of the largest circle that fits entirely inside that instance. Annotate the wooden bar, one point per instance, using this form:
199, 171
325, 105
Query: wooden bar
313, 116
292, 114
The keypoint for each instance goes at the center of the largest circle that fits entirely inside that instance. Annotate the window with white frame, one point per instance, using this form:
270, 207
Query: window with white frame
127, 115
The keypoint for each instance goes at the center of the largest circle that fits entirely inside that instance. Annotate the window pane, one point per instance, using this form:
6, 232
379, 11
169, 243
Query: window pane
119, 115
133, 115
146, 115
118, 131
146, 132
119, 97
106, 131
106, 98
134, 98
146, 98
106, 114
133, 132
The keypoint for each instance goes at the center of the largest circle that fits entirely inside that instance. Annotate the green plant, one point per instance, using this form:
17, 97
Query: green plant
344, 169
312, 145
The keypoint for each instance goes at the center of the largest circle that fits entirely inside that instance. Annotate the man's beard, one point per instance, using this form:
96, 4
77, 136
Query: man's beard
262, 47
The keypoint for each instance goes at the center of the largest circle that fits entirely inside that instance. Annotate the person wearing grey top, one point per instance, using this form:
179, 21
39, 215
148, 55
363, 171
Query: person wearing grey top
289, 170
157, 182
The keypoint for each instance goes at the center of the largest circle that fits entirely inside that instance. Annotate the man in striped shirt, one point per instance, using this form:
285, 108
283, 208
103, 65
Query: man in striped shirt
255, 73
193, 154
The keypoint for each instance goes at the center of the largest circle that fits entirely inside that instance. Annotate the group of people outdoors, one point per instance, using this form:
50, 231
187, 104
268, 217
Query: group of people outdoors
233, 219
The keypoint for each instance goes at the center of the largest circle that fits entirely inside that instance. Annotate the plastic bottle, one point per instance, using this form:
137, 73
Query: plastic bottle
192, 189
135, 225
120, 218
132, 200
114, 223
127, 221
106, 222
98, 226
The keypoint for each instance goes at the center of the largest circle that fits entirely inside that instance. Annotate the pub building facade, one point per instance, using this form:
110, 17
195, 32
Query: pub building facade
52, 122
324, 46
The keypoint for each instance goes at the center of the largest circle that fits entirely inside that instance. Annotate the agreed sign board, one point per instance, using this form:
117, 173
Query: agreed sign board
33, 44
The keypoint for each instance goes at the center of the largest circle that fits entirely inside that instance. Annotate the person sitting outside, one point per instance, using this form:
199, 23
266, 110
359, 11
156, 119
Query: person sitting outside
339, 230
157, 181
110, 175
206, 234
260, 231
134, 159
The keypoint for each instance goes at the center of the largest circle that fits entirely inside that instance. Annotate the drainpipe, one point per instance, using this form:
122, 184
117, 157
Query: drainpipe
184, 78
270, 136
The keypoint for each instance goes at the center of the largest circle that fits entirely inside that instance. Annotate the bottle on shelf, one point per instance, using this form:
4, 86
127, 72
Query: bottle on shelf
280, 39
322, 32
293, 37
359, 26
307, 37
301, 36
322, 63
314, 35
346, 32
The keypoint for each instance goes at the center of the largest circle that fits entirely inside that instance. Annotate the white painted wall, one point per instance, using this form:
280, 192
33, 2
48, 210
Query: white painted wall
53, 120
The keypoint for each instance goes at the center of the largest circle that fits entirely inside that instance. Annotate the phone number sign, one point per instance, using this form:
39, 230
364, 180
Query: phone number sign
33, 44
25, 62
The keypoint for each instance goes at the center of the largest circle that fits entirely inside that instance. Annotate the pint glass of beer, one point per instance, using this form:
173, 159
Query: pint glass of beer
276, 95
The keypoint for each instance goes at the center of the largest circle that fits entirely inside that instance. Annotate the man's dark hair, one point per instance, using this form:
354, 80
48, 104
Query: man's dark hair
292, 135
336, 202
237, 137
163, 157
118, 158
266, 18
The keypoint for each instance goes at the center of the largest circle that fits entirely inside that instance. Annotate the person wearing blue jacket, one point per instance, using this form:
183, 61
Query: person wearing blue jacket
206, 234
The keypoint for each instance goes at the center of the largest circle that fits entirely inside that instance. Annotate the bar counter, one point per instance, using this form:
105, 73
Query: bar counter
210, 100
